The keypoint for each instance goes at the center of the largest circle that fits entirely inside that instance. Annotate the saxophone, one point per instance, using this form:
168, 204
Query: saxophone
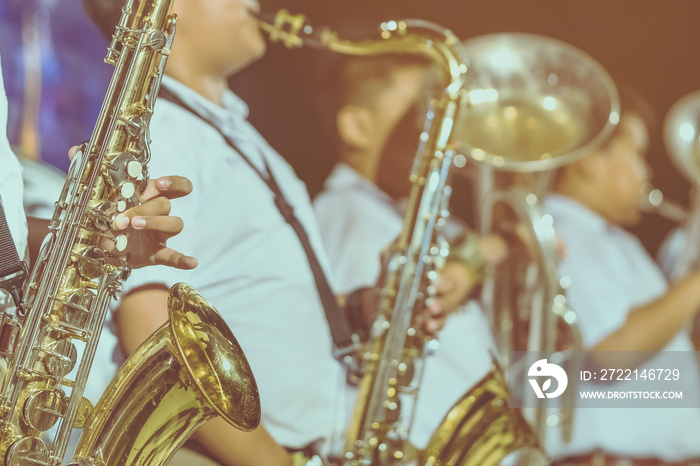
188, 371
393, 358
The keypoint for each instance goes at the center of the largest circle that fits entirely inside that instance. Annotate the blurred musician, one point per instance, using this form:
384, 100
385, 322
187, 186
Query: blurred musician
254, 264
374, 106
622, 301
150, 226
670, 251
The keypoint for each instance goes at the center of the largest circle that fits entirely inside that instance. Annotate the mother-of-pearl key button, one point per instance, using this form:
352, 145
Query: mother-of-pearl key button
134, 168
127, 190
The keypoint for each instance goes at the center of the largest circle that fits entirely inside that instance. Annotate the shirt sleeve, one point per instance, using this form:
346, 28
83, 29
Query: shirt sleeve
597, 293
354, 245
670, 252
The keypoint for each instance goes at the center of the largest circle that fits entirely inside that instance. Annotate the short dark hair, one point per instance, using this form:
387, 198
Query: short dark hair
105, 14
358, 80
633, 102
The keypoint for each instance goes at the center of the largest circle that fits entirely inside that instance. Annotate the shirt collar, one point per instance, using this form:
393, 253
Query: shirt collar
344, 176
233, 106
565, 207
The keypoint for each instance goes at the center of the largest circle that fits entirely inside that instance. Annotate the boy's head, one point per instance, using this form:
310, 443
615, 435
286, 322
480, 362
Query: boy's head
213, 37
368, 99
610, 179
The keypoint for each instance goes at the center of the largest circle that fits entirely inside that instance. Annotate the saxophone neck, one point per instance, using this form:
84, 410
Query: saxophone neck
411, 36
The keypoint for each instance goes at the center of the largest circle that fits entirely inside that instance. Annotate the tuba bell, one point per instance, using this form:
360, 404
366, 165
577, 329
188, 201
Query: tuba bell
536, 104
682, 142
681, 253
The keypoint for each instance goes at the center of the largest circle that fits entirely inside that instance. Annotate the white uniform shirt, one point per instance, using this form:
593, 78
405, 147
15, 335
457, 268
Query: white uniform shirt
358, 221
252, 266
11, 191
670, 251
611, 274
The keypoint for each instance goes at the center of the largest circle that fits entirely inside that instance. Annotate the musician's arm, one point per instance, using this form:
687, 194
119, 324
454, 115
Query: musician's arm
232, 447
139, 315
652, 326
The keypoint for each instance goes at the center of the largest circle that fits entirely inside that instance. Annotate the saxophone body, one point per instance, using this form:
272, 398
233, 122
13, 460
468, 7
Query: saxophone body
80, 268
392, 360
394, 356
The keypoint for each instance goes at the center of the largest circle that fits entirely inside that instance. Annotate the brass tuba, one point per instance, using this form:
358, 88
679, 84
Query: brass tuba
654, 201
392, 360
682, 140
535, 104
77, 274
681, 253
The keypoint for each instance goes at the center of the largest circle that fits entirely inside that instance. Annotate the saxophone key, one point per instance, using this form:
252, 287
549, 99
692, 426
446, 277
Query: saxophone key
67, 330
8, 337
122, 168
157, 41
102, 214
60, 358
27, 451
120, 243
85, 408
127, 189
75, 308
392, 410
90, 262
406, 372
135, 125
44, 408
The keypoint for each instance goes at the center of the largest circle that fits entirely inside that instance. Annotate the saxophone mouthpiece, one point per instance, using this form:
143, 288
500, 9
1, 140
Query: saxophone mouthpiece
292, 30
653, 202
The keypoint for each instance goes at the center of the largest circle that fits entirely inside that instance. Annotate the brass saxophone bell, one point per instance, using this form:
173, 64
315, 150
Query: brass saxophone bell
214, 358
480, 430
190, 370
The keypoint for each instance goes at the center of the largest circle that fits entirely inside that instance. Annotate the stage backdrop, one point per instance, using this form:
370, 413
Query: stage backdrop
651, 45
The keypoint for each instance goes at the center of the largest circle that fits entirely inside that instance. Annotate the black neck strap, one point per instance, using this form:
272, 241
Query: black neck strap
13, 271
344, 341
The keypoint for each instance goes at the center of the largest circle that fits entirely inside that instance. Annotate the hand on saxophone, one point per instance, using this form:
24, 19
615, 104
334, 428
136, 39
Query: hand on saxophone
150, 224
460, 275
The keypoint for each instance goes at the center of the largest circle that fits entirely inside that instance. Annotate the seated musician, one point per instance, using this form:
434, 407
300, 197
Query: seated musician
149, 227
376, 106
622, 301
256, 256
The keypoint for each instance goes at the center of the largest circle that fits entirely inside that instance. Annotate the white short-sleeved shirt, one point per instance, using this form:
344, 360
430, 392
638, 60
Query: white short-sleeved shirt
252, 266
357, 222
611, 274
11, 191
670, 252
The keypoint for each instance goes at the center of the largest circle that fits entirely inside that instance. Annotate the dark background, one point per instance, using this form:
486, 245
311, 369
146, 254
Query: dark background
651, 45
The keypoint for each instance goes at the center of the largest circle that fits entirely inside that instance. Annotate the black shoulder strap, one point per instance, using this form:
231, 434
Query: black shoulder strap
344, 342
13, 271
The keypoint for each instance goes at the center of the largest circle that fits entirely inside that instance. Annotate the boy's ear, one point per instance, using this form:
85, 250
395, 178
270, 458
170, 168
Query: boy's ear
590, 166
354, 126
